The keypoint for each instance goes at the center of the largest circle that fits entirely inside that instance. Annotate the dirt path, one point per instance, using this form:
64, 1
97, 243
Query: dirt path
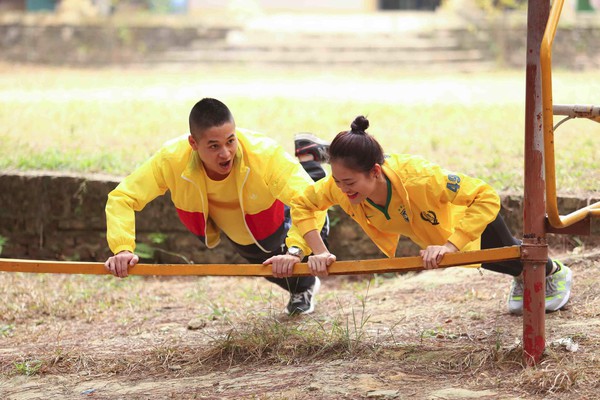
434, 335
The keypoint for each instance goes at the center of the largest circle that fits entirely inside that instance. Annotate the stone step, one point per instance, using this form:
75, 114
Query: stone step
308, 56
422, 47
331, 45
338, 41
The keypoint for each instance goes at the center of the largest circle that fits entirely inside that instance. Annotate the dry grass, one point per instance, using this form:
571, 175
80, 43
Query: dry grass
421, 332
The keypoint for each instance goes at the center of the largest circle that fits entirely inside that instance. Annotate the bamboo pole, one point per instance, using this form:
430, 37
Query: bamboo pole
400, 264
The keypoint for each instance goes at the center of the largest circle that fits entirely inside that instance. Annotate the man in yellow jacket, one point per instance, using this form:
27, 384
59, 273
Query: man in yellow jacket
226, 180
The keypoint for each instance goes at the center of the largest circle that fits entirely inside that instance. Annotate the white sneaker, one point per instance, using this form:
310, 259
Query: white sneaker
558, 287
303, 302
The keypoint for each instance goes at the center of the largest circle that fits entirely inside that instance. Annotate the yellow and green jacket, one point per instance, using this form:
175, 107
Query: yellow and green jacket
266, 178
440, 206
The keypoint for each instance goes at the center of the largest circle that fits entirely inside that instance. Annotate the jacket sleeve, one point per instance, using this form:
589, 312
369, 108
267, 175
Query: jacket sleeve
306, 205
286, 179
131, 195
480, 199
325, 194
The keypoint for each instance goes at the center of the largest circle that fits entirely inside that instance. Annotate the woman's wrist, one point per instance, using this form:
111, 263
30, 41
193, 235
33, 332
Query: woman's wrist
450, 246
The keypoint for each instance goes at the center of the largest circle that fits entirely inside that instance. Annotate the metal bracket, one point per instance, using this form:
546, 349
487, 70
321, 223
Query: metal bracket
535, 253
582, 227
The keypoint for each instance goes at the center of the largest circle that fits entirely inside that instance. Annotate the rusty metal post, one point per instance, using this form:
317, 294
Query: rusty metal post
535, 248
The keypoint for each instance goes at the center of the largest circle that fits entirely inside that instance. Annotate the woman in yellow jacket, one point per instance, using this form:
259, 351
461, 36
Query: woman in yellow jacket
224, 180
405, 195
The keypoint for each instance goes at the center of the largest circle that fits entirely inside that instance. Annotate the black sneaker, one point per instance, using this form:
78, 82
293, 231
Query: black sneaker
307, 143
303, 302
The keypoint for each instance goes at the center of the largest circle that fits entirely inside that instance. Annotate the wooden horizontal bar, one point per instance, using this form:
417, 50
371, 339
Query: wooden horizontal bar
301, 269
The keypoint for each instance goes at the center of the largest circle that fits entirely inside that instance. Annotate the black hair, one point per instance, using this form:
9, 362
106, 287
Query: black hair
357, 149
208, 113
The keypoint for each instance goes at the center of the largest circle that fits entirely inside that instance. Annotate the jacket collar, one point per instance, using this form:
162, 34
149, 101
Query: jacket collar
389, 168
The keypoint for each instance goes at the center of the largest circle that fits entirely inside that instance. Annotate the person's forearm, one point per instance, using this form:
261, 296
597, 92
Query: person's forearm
314, 240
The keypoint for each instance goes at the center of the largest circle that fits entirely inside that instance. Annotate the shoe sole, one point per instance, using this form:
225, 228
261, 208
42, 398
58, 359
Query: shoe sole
516, 310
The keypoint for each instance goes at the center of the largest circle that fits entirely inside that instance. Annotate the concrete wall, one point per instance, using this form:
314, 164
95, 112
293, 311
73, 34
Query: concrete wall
93, 43
12, 5
291, 5
61, 217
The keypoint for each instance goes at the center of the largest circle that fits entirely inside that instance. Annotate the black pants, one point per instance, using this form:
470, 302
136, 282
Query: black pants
255, 255
496, 234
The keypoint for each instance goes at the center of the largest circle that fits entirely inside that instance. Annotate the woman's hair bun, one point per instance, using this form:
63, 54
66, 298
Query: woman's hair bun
360, 124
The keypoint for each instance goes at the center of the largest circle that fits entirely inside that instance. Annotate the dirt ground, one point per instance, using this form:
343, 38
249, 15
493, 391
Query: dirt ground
442, 334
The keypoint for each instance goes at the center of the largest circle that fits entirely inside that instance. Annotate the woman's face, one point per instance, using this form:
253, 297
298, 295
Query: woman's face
357, 185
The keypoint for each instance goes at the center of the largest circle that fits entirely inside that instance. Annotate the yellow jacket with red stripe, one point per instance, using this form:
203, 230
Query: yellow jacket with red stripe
440, 206
266, 177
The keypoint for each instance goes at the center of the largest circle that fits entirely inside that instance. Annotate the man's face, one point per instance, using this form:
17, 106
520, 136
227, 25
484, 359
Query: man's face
216, 147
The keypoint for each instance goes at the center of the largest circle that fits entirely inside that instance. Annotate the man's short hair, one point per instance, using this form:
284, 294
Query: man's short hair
208, 113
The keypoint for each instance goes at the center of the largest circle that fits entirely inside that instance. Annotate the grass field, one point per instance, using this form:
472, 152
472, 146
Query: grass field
110, 120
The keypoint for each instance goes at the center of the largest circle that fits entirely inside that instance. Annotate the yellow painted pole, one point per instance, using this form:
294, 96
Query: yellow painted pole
548, 113
338, 268
554, 218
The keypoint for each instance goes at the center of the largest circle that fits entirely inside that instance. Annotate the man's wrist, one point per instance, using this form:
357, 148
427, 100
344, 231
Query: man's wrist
296, 252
